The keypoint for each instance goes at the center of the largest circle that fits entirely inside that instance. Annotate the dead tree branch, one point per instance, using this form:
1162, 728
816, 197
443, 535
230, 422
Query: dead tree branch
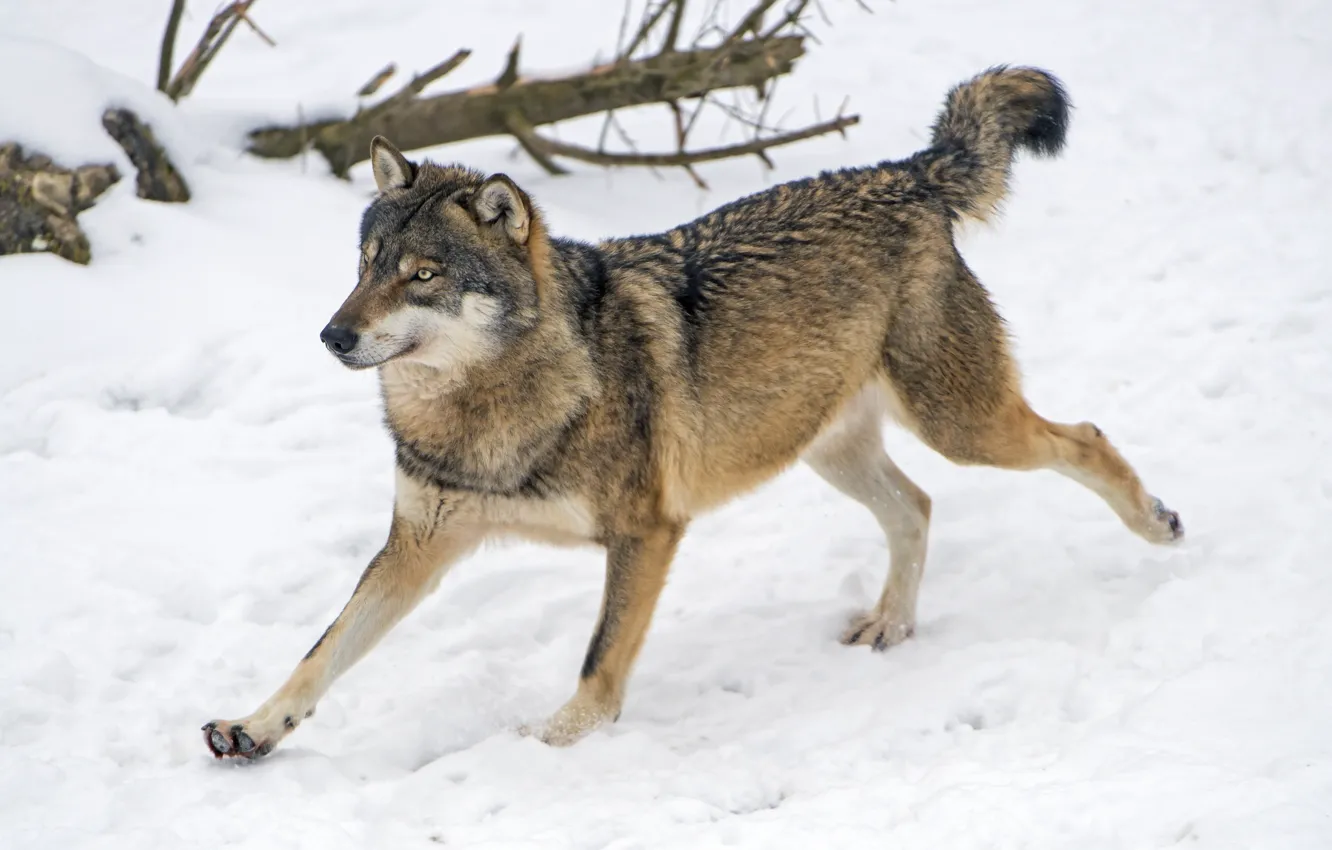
743, 56
215, 35
169, 45
408, 92
377, 81
757, 147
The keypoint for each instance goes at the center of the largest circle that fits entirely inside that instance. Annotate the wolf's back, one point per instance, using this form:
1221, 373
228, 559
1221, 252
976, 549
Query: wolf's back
984, 122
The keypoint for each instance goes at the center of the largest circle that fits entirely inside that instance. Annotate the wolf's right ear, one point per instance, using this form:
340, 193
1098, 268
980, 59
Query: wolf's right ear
499, 200
391, 168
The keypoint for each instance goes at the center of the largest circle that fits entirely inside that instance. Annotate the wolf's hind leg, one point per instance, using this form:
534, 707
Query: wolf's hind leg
850, 456
1082, 453
948, 361
1017, 438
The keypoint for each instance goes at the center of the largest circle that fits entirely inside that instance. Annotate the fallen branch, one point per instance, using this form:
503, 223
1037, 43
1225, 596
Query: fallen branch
482, 111
746, 55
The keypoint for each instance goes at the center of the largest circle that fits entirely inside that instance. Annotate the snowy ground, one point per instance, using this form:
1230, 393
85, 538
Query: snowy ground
190, 485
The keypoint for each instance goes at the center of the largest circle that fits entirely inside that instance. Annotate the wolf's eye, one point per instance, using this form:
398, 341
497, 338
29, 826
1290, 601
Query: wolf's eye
424, 274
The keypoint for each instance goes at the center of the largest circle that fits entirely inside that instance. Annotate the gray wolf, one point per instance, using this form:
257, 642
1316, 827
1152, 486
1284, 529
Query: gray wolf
608, 394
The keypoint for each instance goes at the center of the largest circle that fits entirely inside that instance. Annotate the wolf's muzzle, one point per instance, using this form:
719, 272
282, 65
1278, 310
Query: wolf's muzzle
337, 339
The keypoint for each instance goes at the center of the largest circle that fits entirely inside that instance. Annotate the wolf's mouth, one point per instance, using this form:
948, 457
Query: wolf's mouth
359, 362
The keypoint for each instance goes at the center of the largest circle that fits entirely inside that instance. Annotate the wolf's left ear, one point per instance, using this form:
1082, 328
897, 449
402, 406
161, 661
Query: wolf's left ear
500, 201
392, 170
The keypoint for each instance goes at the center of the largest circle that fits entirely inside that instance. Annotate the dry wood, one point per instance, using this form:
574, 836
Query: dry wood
214, 37
377, 81
542, 148
169, 45
484, 110
744, 55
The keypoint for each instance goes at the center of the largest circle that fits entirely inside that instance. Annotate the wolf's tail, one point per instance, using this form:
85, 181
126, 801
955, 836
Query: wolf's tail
983, 124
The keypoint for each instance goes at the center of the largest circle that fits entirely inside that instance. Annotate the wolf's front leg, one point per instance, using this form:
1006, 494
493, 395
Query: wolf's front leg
636, 568
427, 537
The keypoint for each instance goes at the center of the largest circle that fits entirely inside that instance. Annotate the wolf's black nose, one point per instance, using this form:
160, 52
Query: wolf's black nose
339, 340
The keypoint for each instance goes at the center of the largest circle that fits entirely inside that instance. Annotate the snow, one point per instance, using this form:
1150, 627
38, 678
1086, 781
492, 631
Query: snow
190, 486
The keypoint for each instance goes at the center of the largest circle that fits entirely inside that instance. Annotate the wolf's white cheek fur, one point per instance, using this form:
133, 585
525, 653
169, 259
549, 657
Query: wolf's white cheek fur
438, 339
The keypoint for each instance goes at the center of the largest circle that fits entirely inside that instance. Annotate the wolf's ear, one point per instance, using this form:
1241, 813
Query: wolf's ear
499, 201
392, 170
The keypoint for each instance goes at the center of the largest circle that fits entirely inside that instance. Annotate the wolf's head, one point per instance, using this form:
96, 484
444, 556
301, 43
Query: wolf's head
452, 267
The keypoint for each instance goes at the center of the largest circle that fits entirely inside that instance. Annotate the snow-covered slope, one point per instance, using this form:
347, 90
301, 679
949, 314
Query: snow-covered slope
189, 485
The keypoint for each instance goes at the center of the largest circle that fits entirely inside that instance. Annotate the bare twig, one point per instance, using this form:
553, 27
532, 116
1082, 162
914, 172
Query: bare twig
377, 81
255, 27
215, 35
793, 15
509, 75
751, 23
300, 121
413, 88
681, 131
654, 15
553, 148
527, 137
169, 45
673, 32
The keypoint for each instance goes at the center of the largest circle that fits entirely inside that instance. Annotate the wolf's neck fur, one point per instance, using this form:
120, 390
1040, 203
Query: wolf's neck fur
489, 425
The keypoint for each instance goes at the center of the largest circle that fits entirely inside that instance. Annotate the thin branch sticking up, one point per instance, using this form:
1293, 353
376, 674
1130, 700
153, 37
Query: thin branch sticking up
418, 83
215, 35
752, 23
790, 19
673, 32
169, 45
255, 27
377, 81
509, 75
649, 23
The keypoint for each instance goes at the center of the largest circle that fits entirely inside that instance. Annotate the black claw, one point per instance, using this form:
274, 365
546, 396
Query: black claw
288, 722
244, 743
264, 750
1171, 518
219, 742
880, 645
1176, 527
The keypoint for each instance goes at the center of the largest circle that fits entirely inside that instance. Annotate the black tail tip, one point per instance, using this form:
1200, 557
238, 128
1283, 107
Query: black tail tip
1049, 123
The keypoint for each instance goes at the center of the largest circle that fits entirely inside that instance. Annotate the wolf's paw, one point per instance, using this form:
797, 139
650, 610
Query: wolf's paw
251, 738
573, 722
1162, 524
878, 630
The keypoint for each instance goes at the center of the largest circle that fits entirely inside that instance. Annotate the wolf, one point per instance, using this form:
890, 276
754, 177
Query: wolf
608, 394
